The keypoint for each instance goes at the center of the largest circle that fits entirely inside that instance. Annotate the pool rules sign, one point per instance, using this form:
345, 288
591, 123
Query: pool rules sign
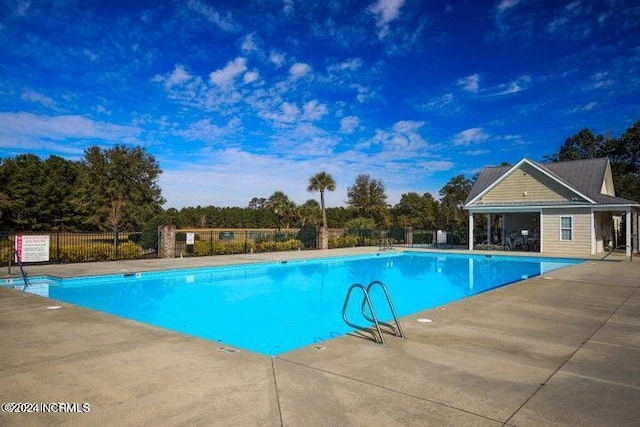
32, 248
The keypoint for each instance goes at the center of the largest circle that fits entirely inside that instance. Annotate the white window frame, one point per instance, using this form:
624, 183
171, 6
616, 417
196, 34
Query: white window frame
570, 228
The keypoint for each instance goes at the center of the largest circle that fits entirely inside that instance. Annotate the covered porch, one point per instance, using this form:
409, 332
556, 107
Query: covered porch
601, 229
513, 231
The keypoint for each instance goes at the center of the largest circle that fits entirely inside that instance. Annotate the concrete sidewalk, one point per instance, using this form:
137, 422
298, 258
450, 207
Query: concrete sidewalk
561, 349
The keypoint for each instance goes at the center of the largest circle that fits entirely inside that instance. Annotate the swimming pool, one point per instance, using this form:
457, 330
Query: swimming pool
273, 308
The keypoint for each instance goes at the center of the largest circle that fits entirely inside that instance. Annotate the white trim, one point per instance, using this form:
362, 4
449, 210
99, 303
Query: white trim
533, 208
470, 230
628, 232
534, 165
542, 227
565, 228
593, 232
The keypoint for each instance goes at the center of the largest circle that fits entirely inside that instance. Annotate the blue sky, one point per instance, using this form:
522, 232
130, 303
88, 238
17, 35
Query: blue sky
238, 99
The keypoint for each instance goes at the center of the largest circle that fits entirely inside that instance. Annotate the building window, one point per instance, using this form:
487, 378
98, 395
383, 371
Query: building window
566, 228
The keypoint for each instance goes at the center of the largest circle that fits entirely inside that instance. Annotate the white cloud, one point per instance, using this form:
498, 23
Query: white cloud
224, 22
205, 130
470, 136
313, 110
349, 124
33, 96
402, 141
287, 6
103, 110
470, 83
276, 58
386, 11
475, 152
601, 80
287, 113
251, 76
582, 108
433, 166
518, 85
445, 104
24, 127
364, 92
299, 69
22, 6
505, 5
351, 65
249, 44
225, 76
178, 76
215, 179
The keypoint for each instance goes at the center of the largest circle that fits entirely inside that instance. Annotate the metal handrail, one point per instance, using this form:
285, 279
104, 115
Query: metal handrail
379, 339
24, 275
610, 251
373, 318
397, 330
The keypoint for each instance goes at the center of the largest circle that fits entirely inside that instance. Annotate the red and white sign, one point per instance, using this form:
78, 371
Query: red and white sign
32, 248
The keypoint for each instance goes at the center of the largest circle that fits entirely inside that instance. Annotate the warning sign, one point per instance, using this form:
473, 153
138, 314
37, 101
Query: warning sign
32, 248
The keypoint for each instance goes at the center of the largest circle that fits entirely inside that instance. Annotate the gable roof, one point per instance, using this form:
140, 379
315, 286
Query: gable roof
584, 177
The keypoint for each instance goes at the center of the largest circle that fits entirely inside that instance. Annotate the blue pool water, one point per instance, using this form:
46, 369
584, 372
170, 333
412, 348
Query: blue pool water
277, 307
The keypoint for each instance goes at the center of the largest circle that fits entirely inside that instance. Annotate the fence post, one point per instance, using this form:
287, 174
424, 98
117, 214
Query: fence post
167, 244
115, 239
11, 249
408, 236
211, 242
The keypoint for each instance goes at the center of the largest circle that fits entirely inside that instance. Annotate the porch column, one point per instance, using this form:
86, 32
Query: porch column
489, 229
628, 232
636, 240
593, 232
470, 230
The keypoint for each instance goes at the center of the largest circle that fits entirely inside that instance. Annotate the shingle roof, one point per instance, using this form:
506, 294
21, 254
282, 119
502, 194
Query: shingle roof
585, 176
487, 176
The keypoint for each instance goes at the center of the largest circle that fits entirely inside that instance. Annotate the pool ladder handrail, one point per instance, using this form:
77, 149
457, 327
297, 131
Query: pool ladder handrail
22, 272
366, 301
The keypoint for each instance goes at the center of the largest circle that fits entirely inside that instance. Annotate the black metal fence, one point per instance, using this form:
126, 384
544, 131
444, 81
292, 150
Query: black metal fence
68, 247
227, 242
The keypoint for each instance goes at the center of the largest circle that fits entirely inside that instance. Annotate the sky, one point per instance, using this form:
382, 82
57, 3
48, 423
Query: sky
238, 99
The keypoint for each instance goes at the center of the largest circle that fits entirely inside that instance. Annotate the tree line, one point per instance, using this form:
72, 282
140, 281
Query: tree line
112, 189
117, 189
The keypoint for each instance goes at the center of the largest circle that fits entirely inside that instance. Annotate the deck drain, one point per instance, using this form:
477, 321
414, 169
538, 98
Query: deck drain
227, 350
54, 307
423, 320
318, 347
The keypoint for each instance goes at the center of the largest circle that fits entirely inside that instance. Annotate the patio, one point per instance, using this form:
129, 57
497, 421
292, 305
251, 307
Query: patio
560, 349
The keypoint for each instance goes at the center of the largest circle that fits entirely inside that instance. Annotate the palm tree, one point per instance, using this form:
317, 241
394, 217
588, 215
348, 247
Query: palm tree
321, 182
284, 208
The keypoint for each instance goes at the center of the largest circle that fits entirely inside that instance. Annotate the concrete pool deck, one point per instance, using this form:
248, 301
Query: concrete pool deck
559, 349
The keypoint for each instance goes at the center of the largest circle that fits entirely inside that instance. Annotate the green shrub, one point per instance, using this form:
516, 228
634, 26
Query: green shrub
231, 248
99, 252
343, 242
287, 245
129, 250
